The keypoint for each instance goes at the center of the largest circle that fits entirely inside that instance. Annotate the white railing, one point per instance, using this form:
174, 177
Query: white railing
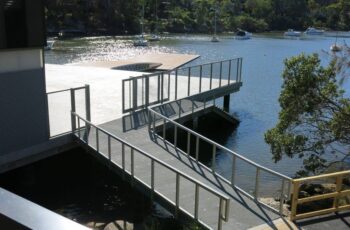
60, 105
82, 128
142, 91
160, 120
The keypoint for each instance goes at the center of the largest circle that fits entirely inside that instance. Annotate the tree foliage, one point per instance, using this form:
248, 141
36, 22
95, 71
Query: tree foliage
314, 120
118, 16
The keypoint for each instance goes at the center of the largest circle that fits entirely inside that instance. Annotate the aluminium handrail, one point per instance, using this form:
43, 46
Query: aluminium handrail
218, 145
160, 162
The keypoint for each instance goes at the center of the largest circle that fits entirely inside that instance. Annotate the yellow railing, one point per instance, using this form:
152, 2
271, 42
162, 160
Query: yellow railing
336, 195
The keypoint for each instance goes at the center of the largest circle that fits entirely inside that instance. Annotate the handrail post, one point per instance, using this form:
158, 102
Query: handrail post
220, 214
213, 159
338, 188
229, 72
79, 134
162, 89
176, 76
164, 129
189, 81
177, 195
147, 91
200, 78
233, 175
282, 197
87, 103
197, 148
175, 136
211, 75
188, 143
294, 202
256, 190
109, 148
220, 74
152, 179
132, 165
72, 99
97, 141
123, 160
196, 202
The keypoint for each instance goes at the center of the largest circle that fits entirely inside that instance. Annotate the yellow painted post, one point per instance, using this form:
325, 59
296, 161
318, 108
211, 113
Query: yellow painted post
339, 185
294, 202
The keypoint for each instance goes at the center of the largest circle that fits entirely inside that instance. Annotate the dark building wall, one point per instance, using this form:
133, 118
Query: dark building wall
23, 116
22, 24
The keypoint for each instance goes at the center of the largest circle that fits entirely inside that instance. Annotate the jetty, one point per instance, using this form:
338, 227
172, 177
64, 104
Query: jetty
134, 142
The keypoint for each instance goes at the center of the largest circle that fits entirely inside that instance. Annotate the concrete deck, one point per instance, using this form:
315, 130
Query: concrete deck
105, 90
167, 61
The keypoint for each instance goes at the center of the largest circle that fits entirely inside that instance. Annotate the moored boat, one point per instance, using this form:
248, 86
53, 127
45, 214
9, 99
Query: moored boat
292, 33
243, 35
313, 31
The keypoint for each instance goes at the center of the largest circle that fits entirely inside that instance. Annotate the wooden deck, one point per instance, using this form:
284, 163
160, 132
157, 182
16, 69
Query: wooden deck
244, 213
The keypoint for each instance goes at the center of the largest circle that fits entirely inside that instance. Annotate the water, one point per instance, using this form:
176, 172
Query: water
256, 105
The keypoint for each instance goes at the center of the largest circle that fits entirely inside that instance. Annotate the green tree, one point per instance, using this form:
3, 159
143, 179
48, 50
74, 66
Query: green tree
314, 120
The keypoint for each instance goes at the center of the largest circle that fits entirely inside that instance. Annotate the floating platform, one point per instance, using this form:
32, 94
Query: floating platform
146, 62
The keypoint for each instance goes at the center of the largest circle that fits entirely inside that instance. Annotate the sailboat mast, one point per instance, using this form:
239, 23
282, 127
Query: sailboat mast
143, 16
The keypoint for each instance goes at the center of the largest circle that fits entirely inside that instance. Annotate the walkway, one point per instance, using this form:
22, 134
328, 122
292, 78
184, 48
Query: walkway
244, 213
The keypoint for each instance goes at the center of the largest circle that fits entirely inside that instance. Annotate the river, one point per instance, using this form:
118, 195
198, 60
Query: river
256, 105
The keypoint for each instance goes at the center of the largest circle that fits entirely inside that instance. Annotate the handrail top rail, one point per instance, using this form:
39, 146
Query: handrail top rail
322, 176
222, 147
204, 186
66, 90
178, 69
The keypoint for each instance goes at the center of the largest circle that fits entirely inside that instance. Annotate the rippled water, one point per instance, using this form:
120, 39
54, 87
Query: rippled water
256, 105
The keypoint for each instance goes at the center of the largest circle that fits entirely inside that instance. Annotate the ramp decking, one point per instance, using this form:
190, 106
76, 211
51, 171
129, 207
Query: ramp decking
244, 213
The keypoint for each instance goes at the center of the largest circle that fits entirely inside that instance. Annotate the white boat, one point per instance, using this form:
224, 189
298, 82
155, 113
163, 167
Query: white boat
154, 38
215, 39
141, 41
335, 48
292, 33
313, 31
49, 45
243, 35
